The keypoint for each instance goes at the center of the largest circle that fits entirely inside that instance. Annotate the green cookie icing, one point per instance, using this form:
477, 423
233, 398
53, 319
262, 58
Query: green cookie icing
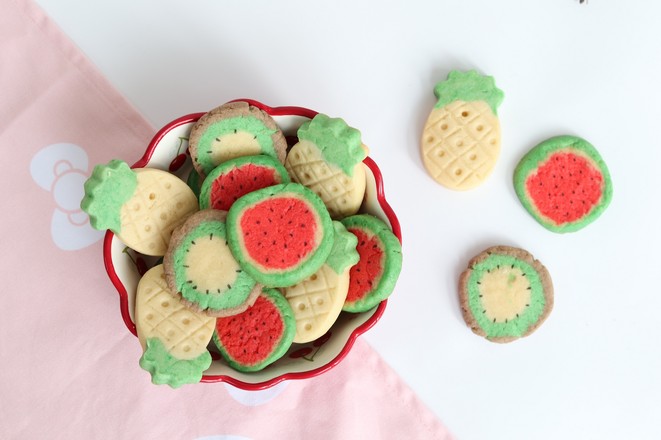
247, 124
390, 264
225, 297
167, 369
339, 143
194, 182
538, 155
106, 190
468, 86
516, 327
344, 253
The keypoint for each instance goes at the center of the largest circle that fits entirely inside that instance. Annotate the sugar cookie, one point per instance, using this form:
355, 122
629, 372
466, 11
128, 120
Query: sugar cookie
461, 138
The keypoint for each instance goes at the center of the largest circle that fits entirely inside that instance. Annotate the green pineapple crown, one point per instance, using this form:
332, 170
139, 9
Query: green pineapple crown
339, 143
468, 86
106, 190
344, 253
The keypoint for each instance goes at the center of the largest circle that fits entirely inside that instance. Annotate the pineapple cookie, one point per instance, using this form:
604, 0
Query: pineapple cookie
317, 301
461, 140
141, 206
328, 160
173, 337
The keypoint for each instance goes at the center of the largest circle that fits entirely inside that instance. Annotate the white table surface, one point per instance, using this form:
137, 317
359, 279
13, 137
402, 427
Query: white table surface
593, 370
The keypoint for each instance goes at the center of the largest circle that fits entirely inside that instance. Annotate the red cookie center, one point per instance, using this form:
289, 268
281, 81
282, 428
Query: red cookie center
251, 336
365, 275
238, 182
279, 232
565, 187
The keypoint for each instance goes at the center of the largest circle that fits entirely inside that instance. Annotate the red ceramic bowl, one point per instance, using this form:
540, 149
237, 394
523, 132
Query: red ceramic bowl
167, 151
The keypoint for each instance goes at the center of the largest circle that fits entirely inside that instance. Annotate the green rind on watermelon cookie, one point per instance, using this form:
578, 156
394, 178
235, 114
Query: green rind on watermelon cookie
166, 369
200, 267
232, 130
259, 336
563, 183
106, 190
194, 182
239, 176
374, 277
505, 294
339, 143
280, 234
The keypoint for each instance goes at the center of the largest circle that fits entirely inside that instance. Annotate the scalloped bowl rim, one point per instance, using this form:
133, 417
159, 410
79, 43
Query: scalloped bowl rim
359, 330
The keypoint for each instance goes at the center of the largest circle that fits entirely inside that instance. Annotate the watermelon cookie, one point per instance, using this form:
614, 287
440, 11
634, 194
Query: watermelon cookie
173, 337
237, 177
317, 301
141, 206
461, 138
258, 336
281, 234
200, 268
232, 130
373, 279
328, 160
563, 183
505, 294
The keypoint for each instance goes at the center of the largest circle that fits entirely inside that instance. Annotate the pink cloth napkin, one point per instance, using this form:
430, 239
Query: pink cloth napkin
69, 366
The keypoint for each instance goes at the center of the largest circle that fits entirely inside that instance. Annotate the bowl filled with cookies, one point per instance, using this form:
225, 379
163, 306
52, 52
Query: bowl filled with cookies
249, 245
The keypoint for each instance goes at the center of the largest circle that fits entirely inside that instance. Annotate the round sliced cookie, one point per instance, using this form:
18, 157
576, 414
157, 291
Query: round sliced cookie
141, 206
563, 183
239, 176
258, 336
200, 268
281, 234
173, 337
232, 130
460, 142
373, 278
505, 294
328, 160
317, 301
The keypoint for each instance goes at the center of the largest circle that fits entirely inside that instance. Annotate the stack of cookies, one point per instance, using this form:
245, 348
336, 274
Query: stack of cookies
264, 248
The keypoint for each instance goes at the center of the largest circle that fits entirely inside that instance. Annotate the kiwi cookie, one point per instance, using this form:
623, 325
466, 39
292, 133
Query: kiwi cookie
232, 130
200, 268
505, 294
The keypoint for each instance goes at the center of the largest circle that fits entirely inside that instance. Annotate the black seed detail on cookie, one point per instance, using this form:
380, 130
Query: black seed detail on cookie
515, 308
